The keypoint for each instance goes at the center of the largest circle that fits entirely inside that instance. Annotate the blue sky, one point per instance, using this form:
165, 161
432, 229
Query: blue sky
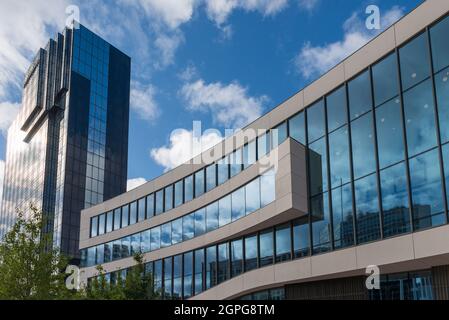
223, 62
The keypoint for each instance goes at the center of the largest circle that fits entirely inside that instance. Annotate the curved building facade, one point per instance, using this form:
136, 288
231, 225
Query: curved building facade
348, 176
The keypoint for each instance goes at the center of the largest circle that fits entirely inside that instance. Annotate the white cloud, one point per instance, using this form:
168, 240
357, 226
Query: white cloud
8, 112
2, 175
230, 105
181, 148
142, 100
24, 27
134, 183
315, 60
308, 5
167, 46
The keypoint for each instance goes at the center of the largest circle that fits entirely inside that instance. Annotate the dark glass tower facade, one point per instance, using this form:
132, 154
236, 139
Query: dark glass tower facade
67, 149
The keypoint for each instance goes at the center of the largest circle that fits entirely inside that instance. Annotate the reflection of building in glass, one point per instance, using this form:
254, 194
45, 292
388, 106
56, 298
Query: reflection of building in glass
363, 166
67, 148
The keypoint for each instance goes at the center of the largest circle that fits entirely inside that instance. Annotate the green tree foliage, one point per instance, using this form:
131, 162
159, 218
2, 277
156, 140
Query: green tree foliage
29, 267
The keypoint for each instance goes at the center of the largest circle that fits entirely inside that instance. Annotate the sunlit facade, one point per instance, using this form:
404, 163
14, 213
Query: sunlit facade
67, 148
360, 176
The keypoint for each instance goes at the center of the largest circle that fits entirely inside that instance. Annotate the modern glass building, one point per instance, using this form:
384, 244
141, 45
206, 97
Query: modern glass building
350, 172
67, 148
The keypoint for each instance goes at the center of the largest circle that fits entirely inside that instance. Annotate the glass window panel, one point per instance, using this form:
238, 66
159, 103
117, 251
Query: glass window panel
108, 252
339, 157
442, 93
188, 273
315, 121
390, 137
301, 237
223, 262
91, 256
427, 193
125, 216
236, 257
263, 145
142, 209
211, 267
318, 166
251, 253
155, 238
116, 250
199, 183
109, 221
236, 162
168, 198
176, 233
445, 150
199, 271
159, 202
212, 216
283, 243
385, 78
179, 193
188, 225
177, 277
249, 154
336, 109
266, 248
360, 98
279, 134
224, 205
166, 235
146, 241
363, 146
440, 45
168, 278
238, 204
211, 177
101, 224
321, 225
133, 213
368, 220
414, 58
396, 215
200, 222
135, 244
342, 217
420, 118
100, 254
94, 226
252, 195
117, 218
158, 276
267, 188
297, 128
223, 171
150, 206
188, 188
126, 247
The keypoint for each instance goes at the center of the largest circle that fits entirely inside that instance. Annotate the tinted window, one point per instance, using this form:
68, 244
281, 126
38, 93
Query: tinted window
142, 213
301, 237
211, 177
363, 146
199, 183
117, 218
385, 78
367, 209
236, 162
150, 206
360, 99
177, 277
420, 118
414, 58
176, 235
179, 193
426, 191
168, 278
223, 171
133, 213
236, 257
342, 216
252, 195
212, 216
224, 211
188, 188
238, 204
440, 45
109, 221
266, 248
199, 270
159, 202
249, 154
442, 92
155, 238
339, 157
168, 198
223, 260
336, 109
188, 272
321, 225
279, 134
188, 226
446, 166
396, 215
146, 241
200, 222
101, 224
211, 267
158, 276
251, 253
263, 145
390, 137
297, 128
283, 243
94, 227
318, 166
315, 121
166, 235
